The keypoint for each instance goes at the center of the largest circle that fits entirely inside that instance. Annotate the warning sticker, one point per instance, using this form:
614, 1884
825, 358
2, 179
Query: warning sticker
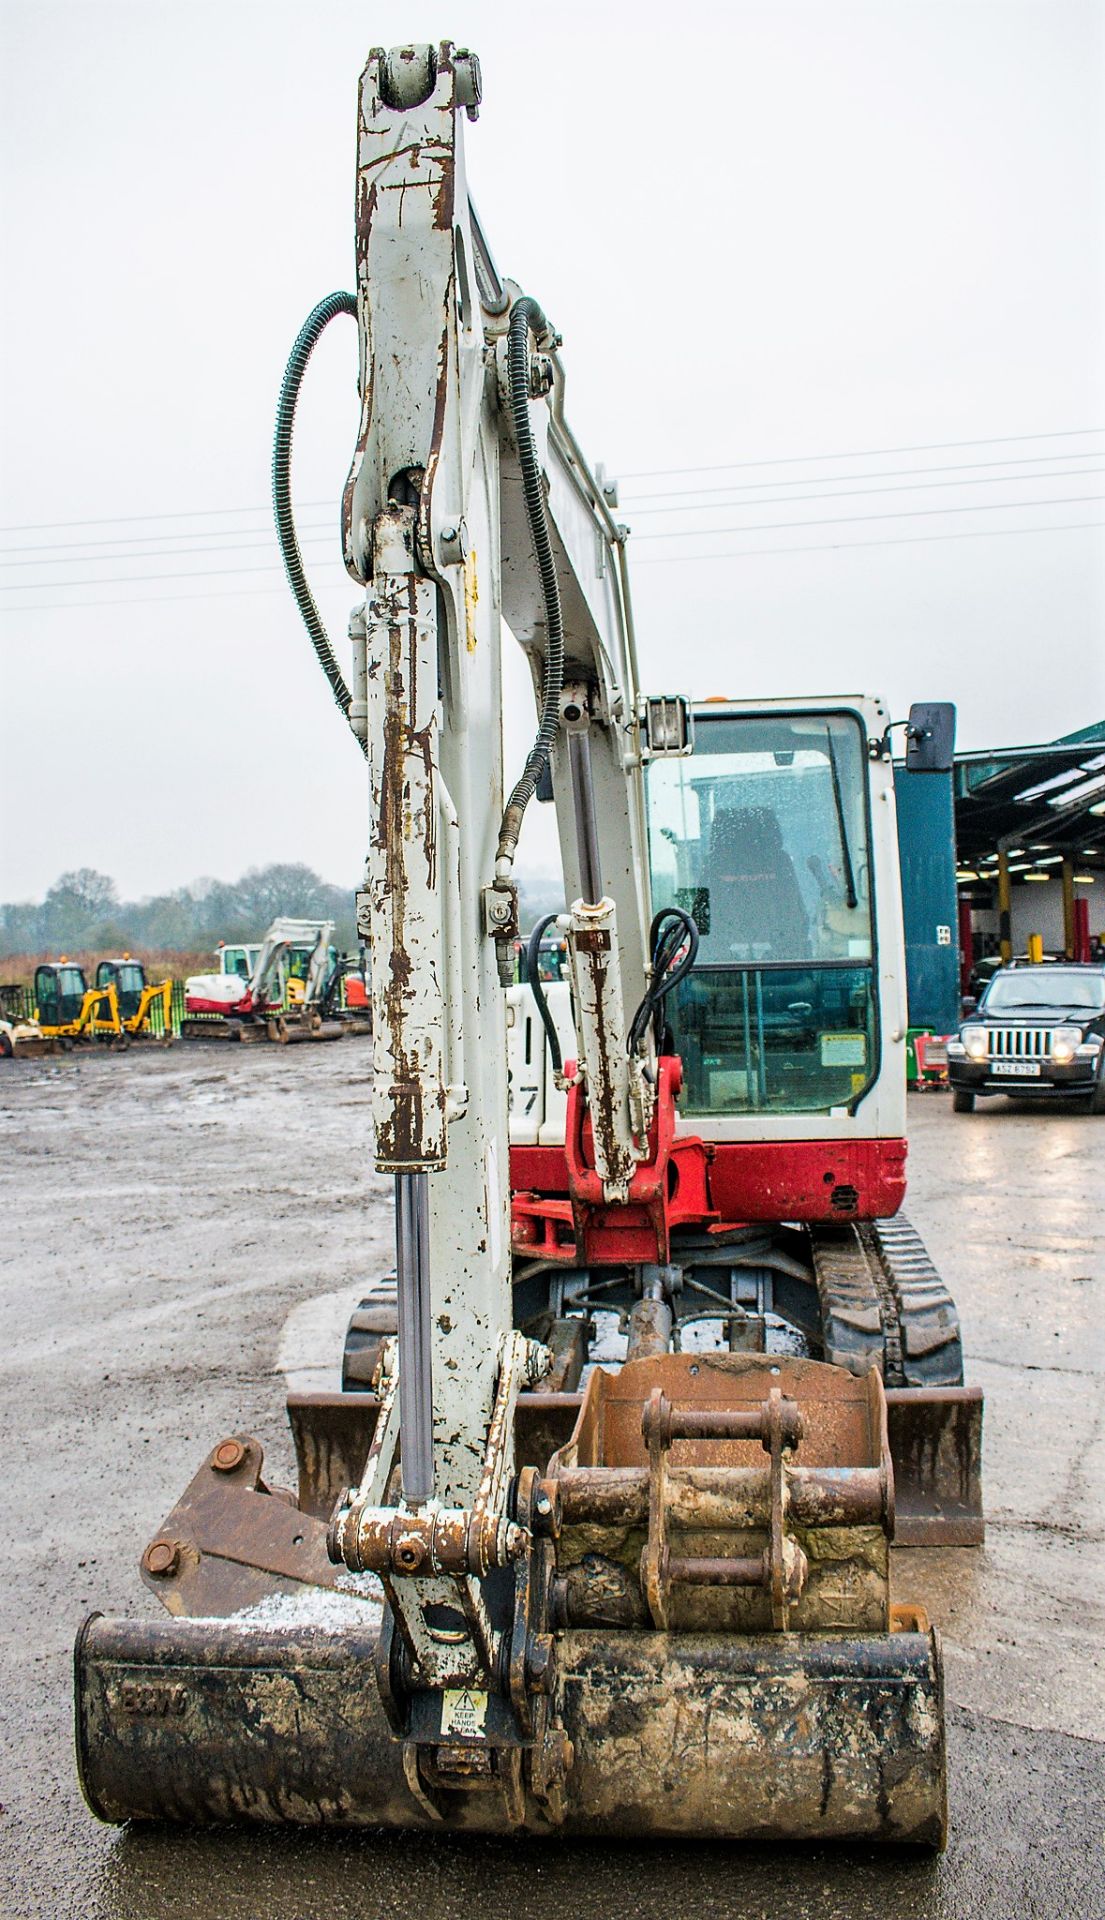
843, 1049
464, 1712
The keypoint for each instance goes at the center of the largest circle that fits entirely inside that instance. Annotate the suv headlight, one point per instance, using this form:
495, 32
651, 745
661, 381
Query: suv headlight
976, 1041
1065, 1042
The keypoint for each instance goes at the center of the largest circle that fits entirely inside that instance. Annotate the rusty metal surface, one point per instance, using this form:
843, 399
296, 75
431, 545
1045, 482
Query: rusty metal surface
725, 1435
699, 1737
708, 1496
288, 1030
835, 1407
650, 1325
449, 1540
762, 1738
567, 1343
219, 1721
936, 1445
332, 1433
230, 1542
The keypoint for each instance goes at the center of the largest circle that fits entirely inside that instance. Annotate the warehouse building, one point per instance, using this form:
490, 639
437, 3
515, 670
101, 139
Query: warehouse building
1030, 846
1002, 858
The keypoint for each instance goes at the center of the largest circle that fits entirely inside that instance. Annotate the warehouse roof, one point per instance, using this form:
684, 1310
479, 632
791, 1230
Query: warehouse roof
1042, 802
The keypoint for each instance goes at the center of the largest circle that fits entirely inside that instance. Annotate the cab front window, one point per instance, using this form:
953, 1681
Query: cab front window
762, 836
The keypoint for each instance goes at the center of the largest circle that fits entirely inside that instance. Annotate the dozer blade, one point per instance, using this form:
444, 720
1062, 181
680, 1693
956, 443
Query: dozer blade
292, 1033
935, 1445
805, 1737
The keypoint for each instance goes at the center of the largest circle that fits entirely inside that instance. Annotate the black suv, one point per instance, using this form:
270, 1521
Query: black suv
1038, 1030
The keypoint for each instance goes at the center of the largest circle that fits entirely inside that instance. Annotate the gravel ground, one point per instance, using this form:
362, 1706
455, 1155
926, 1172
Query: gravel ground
165, 1213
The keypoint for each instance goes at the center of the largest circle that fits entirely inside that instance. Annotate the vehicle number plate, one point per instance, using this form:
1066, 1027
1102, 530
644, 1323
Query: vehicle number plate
1021, 1069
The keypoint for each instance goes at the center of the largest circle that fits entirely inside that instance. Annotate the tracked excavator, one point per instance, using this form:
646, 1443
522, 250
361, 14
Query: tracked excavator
140, 1001
224, 1006
522, 1583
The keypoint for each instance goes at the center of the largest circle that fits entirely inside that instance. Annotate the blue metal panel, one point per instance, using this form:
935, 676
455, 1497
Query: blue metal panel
926, 844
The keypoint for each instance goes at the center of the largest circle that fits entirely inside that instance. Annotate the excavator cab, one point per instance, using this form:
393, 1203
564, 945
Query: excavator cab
763, 835
129, 980
59, 994
297, 970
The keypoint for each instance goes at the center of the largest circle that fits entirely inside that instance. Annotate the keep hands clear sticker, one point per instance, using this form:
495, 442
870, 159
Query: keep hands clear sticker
464, 1712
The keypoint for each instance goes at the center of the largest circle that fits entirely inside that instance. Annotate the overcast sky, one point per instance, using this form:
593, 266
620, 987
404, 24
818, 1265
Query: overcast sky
854, 240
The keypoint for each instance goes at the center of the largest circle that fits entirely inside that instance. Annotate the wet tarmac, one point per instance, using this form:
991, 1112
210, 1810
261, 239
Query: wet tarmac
163, 1216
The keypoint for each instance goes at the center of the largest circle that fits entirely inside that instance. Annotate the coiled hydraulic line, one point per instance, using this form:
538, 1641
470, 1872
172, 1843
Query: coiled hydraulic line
306, 340
527, 317
671, 930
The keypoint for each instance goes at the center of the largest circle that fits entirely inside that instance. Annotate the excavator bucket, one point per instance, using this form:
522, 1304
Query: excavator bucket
247, 1719
714, 1653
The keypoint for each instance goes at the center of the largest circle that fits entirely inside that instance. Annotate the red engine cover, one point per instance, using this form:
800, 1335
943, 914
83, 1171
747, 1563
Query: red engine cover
765, 1180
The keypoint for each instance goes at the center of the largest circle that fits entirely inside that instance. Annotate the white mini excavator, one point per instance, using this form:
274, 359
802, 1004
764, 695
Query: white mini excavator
229, 1006
522, 1586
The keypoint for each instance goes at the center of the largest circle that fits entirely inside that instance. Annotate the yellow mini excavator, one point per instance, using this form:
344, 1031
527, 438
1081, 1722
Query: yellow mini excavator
523, 1585
145, 1009
69, 1010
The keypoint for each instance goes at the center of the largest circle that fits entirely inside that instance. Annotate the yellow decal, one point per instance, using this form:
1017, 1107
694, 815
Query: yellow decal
471, 595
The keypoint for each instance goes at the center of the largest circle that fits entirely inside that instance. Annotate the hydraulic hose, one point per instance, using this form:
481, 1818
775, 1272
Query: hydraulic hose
306, 340
671, 930
527, 317
533, 977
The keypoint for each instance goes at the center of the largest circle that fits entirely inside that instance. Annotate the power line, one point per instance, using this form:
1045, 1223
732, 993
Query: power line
855, 519
849, 546
116, 519
140, 579
885, 473
181, 553
678, 533
865, 453
641, 473
251, 537
234, 534
856, 493
646, 560
147, 600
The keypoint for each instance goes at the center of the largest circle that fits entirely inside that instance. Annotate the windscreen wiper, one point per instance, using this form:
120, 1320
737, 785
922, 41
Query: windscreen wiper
845, 851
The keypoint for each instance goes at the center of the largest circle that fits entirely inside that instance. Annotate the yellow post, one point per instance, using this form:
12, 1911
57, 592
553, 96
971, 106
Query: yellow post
1068, 908
1005, 916
1036, 948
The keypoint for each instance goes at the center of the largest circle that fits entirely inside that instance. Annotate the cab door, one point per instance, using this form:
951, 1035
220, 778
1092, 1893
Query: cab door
47, 996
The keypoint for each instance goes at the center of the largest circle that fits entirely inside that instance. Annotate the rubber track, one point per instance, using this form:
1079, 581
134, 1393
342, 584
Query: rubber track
884, 1304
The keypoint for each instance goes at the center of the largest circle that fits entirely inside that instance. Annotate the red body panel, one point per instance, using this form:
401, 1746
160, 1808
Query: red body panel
808, 1179
195, 1003
752, 1180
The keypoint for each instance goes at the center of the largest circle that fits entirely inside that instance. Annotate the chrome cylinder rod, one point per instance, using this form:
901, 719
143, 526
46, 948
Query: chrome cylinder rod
416, 1412
583, 802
